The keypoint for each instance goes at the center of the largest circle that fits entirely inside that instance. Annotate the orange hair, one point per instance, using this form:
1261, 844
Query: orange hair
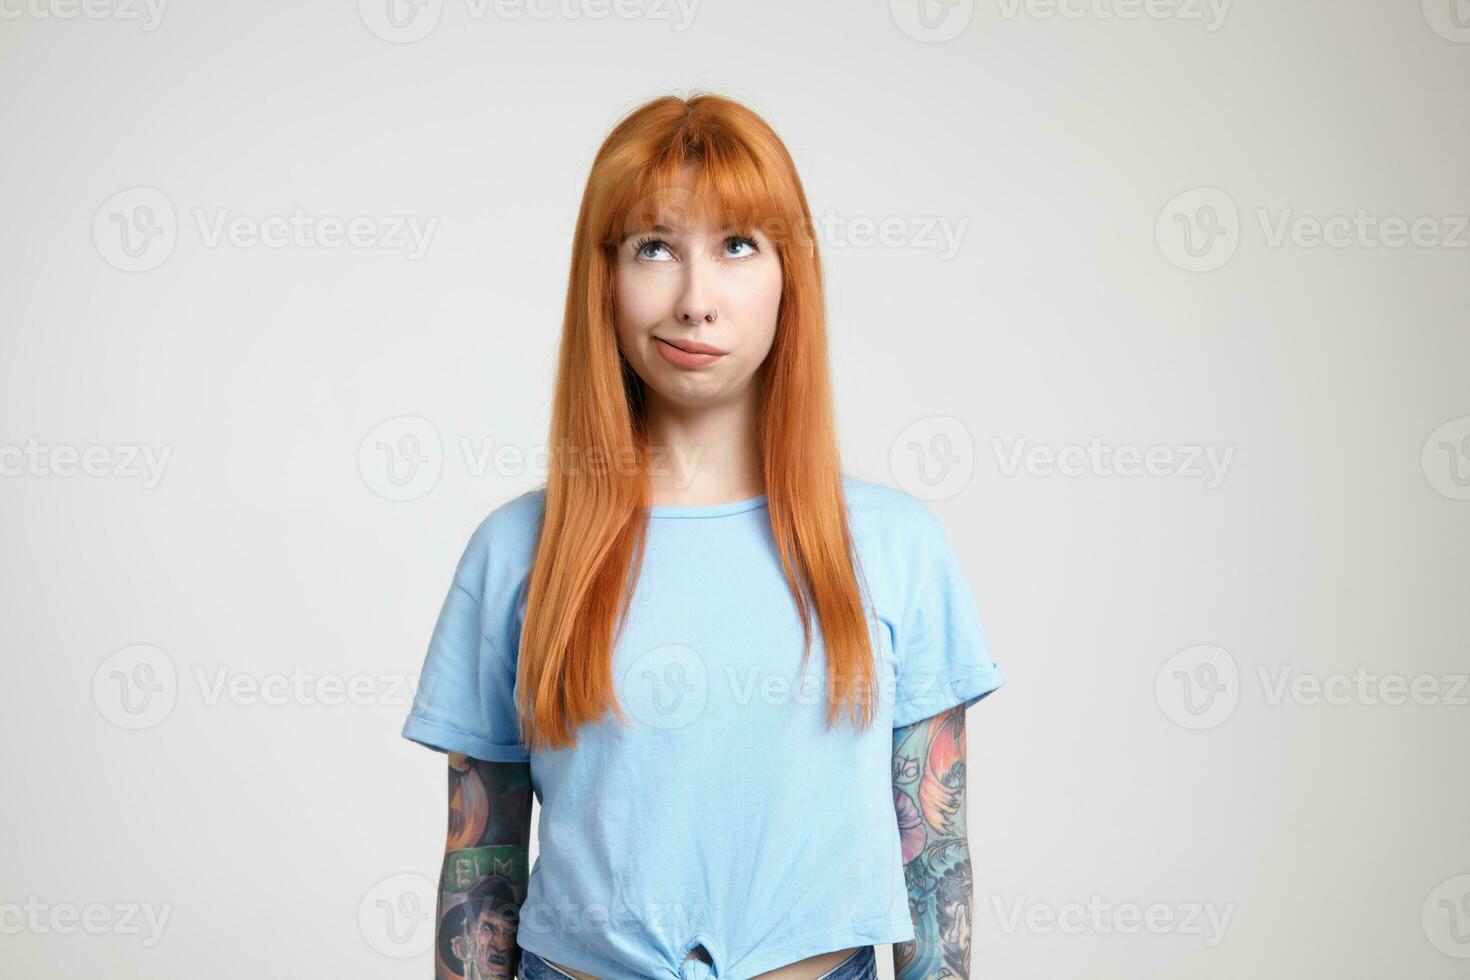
596, 521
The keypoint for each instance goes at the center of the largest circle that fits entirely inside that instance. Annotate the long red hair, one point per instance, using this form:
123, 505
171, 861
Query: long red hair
597, 492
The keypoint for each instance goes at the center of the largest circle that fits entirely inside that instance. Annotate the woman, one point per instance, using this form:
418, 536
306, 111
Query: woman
692, 644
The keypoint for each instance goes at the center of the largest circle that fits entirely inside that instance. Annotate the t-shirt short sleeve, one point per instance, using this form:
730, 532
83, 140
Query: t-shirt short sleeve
940, 645
466, 693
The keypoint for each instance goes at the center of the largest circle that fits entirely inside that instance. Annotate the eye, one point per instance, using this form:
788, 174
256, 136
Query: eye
738, 240
647, 246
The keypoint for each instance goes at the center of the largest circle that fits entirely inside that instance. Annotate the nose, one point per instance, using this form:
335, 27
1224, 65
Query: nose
696, 303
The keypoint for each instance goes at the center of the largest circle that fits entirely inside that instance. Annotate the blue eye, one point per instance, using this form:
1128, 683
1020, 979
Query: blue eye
742, 240
645, 243
646, 247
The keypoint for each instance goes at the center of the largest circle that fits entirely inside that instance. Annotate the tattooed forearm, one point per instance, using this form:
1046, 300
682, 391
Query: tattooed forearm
929, 797
483, 882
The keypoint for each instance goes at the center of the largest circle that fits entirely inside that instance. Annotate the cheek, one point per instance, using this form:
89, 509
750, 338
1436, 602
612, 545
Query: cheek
640, 299
761, 300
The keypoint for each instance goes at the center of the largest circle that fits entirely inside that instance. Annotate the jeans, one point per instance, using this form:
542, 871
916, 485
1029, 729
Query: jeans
862, 965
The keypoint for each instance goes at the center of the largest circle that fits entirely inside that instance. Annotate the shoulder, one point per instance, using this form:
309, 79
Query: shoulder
898, 538
516, 520
888, 512
503, 544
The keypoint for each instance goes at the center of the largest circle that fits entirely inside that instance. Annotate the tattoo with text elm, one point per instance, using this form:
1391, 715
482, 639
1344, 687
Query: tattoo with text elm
485, 874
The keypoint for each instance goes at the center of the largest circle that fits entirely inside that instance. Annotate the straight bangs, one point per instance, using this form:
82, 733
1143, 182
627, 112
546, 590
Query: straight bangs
729, 194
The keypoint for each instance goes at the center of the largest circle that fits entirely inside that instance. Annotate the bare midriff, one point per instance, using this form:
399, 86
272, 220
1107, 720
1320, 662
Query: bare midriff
807, 969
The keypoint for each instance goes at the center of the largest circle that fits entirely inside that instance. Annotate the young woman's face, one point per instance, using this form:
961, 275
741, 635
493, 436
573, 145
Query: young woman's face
696, 309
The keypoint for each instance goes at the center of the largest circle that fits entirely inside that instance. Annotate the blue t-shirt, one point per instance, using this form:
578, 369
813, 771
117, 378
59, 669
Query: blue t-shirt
724, 814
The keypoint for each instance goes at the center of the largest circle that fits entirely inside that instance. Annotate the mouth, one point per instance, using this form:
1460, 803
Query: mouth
690, 346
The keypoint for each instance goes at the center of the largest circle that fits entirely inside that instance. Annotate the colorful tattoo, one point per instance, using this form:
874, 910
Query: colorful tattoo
485, 872
929, 799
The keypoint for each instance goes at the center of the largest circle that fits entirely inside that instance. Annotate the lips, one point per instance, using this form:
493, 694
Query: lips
691, 346
685, 359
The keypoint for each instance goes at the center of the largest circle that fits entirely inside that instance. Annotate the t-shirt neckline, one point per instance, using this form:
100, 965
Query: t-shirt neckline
706, 510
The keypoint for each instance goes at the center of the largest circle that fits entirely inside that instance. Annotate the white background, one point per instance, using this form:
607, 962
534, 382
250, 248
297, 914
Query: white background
1332, 380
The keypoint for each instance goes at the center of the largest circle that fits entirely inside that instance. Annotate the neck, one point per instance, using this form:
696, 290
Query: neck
704, 454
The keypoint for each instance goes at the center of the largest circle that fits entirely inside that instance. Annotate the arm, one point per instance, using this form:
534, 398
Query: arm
929, 797
483, 881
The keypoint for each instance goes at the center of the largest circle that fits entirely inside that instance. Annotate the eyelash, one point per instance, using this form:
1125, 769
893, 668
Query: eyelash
649, 240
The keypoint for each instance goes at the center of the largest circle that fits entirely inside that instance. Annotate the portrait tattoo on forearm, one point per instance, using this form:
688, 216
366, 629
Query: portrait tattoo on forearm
483, 882
929, 798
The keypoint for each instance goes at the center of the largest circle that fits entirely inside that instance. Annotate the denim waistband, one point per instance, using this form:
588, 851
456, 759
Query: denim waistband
861, 965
